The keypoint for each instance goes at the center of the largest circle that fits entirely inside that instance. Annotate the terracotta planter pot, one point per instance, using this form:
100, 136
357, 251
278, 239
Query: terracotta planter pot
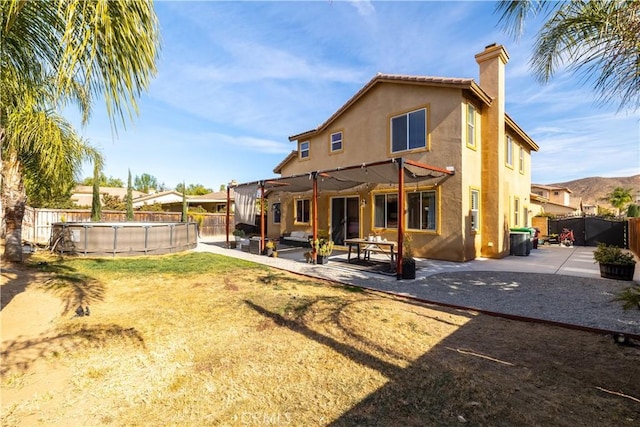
617, 272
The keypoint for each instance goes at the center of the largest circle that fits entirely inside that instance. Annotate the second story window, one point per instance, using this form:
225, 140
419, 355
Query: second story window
409, 131
509, 151
521, 160
336, 141
471, 126
303, 150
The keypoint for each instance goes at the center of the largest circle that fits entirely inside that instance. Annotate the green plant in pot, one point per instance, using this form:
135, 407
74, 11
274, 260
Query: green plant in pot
270, 249
408, 262
324, 248
239, 234
614, 262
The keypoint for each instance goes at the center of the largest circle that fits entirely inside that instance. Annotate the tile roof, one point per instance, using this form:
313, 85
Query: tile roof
461, 83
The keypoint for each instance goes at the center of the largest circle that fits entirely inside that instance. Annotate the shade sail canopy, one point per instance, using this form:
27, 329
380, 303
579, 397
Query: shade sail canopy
338, 179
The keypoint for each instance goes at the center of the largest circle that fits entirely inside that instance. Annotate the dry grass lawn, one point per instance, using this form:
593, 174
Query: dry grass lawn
200, 339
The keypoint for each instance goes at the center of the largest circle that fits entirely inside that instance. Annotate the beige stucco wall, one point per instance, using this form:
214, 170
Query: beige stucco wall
366, 127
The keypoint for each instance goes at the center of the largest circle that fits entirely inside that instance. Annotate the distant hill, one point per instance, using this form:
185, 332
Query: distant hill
596, 190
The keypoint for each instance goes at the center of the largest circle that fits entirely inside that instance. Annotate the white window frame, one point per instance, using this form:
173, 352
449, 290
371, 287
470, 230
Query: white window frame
521, 160
475, 209
516, 211
509, 151
407, 130
333, 142
304, 150
471, 126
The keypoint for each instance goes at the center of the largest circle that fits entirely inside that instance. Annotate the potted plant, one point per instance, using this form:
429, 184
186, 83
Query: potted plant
408, 262
324, 247
270, 249
614, 263
239, 234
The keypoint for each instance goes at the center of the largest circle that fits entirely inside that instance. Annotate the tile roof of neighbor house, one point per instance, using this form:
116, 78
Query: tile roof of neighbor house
216, 196
112, 191
551, 188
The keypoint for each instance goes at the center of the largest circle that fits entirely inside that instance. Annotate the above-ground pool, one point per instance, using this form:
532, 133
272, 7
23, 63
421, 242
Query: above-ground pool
122, 238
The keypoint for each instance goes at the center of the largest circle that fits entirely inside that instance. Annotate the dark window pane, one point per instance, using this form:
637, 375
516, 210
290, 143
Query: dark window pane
399, 133
417, 129
392, 211
413, 213
379, 211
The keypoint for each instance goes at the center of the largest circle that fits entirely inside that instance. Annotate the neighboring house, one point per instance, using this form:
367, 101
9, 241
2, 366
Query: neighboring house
82, 195
556, 200
171, 201
464, 166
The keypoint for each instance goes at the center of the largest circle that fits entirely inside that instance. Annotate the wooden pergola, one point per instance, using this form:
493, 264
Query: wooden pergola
398, 171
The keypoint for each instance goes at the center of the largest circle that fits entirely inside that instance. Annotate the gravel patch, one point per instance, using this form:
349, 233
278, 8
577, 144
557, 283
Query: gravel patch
580, 301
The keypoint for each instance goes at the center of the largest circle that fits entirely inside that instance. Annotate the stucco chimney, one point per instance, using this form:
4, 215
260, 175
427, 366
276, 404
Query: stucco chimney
495, 192
492, 61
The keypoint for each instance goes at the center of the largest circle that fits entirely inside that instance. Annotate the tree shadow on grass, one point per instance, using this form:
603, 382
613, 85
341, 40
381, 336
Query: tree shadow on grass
19, 355
492, 371
73, 288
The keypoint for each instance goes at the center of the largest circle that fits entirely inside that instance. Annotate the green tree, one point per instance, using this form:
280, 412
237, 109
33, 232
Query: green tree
596, 39
113, 203
620, 197
47, 195
104, 181
129, 198
54, 53
193, 189
185, 214
145, 183
96, 203
633, 211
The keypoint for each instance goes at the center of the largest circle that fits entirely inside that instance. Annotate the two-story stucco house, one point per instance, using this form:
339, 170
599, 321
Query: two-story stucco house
466, 166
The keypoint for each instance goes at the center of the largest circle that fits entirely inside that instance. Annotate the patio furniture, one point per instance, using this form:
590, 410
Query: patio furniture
368, 246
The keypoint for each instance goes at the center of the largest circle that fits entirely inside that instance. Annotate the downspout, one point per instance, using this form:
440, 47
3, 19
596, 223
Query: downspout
315, 217
400, 217
228, 212
262, 236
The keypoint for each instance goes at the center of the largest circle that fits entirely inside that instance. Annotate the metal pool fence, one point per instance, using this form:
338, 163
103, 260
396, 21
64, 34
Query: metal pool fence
123, 238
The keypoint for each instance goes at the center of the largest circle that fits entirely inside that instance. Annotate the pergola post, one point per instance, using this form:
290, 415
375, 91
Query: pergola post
400, 217
315, 217
228, 213
262, 235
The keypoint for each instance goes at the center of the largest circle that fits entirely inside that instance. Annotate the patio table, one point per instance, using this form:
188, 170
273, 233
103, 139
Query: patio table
368, 246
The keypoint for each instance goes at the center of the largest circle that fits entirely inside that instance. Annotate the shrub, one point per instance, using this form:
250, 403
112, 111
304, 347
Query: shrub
612, 255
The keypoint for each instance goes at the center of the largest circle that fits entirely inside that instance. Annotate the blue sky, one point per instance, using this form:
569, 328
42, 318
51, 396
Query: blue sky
236, 79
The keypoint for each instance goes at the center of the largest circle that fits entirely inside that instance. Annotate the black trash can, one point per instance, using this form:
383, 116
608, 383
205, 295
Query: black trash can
519, 243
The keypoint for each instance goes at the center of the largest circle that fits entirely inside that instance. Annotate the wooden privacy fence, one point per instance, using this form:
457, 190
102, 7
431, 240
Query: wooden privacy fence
634, 235
36, 225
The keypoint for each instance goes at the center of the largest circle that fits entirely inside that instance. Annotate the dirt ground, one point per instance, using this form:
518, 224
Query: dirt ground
552, 359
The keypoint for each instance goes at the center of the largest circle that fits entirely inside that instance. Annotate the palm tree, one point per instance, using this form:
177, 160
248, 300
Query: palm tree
620, 197
56, 52
594, 38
